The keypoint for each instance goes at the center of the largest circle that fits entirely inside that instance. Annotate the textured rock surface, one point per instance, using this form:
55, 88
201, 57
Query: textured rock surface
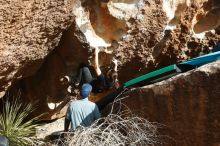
138, 41
29, 31
49, 130
44, 86
212, 9
149, 47
187, 105
34, 55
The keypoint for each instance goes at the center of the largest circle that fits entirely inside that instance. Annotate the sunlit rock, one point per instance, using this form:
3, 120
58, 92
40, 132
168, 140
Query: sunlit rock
29, 31
136, 32
186, 106
210, 21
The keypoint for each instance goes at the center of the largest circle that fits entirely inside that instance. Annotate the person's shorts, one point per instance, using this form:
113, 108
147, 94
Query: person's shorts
99, 84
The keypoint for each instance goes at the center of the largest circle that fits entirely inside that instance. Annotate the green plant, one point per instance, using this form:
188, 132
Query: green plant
16, 125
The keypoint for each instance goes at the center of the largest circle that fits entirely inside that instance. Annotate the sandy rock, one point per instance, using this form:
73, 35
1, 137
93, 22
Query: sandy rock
213, 17
46, 131
29, 31
44, 86
186, 105
139, 40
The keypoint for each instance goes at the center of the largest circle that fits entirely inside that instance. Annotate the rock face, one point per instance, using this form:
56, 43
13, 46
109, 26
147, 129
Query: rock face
29, 31
96, 18
44, 87
186, 105
34, 55
151, 44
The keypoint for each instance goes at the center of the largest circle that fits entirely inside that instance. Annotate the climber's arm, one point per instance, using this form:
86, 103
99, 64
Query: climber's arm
97, 67
115, 64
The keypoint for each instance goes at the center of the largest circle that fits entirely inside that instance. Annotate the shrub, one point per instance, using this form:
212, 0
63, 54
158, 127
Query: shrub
115, 130
16, 125
120, 128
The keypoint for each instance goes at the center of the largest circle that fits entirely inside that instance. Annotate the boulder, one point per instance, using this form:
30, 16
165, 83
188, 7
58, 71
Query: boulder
46, 40
186, 106
30, 30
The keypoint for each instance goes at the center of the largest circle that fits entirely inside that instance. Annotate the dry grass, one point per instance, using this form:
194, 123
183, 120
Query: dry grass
118, 129
115, 130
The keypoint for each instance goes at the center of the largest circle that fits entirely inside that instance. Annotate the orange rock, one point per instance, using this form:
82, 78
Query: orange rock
210, 21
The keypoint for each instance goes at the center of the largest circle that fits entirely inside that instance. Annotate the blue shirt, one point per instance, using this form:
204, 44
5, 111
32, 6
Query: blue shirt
82, 112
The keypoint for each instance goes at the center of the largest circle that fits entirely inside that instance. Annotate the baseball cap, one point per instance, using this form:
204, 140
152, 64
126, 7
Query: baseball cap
85, 90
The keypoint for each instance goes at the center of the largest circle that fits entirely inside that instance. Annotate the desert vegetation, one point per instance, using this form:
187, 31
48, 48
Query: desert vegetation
117, 128
16, 124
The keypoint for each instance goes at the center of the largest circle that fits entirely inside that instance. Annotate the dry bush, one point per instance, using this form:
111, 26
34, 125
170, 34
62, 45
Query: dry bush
118, 129
115, 130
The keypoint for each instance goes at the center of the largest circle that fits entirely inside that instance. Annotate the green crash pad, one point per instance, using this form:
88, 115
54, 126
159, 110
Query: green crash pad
153, 76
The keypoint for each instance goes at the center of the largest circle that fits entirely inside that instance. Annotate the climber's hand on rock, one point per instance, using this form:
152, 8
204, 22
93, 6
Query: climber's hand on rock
115, 61
96, 50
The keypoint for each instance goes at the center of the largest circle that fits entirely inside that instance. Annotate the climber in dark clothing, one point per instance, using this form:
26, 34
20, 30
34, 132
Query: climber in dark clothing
102, 82
83, 75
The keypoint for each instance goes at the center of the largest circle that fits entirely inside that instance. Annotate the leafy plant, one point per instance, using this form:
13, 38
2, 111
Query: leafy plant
15, 124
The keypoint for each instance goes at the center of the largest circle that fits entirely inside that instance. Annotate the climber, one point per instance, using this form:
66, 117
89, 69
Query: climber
81, 112
102, 82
